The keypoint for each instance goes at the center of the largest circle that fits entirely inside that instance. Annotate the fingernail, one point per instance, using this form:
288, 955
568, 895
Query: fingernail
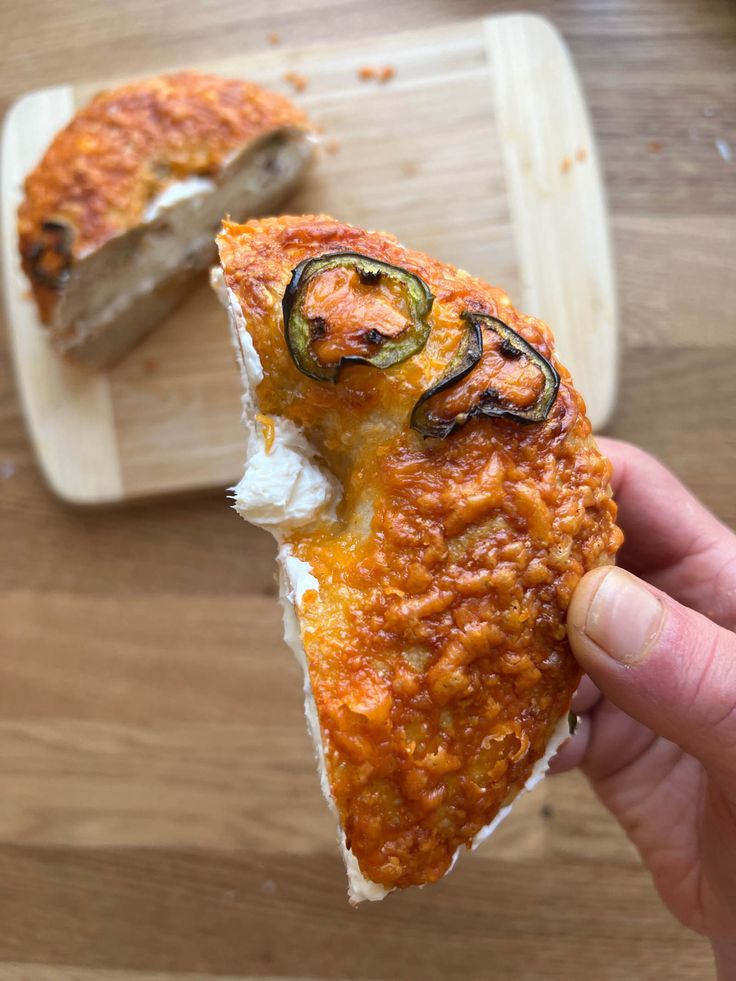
623, 618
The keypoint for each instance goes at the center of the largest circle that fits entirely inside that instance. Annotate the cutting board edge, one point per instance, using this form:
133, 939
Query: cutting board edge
61, 460
545, 191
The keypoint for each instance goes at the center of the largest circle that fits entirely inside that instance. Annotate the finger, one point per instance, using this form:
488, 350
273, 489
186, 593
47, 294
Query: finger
616, 742
665, 665
574, 750
724, 952
658, 514
671, 538
586, 697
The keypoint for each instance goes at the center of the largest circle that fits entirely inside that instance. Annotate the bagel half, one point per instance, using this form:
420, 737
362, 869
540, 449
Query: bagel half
425, 578
122, 210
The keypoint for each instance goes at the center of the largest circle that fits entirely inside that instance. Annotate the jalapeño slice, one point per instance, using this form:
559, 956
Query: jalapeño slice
389, 338
50, 258
490, 402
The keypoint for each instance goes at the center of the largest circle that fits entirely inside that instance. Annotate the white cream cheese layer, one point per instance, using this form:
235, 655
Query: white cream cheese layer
177, 191
295, 579
284, 488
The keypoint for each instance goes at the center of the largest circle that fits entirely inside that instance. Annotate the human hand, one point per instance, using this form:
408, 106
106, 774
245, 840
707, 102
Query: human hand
657, 736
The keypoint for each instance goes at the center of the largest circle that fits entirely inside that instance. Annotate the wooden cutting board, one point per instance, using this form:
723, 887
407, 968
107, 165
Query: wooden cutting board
478, 151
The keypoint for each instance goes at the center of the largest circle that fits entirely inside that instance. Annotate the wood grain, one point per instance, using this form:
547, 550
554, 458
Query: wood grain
489, 196
170, 910
18, 971
192, 785
554, 185
134, 639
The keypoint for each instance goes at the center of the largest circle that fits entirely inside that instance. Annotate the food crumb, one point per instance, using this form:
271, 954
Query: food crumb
654, 147
409, 168
150, 366
566, 165
298, 82
332, 146
368, 73
274, 37
724, 150
581, 154
546, 811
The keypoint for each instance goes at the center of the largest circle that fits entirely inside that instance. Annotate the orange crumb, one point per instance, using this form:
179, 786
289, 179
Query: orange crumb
409, 168
367, 73
269, 430
274, 38
332, 146
298, 82
654, 147
566, 165
581, 154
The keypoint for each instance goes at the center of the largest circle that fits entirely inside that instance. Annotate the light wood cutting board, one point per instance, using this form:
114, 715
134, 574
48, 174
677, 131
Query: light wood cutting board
479, 151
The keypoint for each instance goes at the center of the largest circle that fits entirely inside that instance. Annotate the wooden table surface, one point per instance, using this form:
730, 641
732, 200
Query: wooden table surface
159, 815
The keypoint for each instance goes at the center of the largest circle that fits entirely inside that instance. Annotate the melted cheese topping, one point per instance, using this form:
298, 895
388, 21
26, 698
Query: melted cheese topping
435, 644
349, 312
518, 383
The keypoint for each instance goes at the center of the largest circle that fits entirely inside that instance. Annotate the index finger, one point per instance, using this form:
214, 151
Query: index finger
672, 539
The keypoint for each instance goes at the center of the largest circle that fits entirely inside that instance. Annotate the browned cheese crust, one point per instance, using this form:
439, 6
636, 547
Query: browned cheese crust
119, 152
436, 645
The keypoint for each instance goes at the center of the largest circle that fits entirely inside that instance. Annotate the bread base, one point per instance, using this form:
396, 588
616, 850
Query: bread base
116, 295
274, 505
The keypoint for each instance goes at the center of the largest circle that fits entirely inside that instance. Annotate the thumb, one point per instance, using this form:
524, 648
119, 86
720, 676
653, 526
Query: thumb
665, 665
